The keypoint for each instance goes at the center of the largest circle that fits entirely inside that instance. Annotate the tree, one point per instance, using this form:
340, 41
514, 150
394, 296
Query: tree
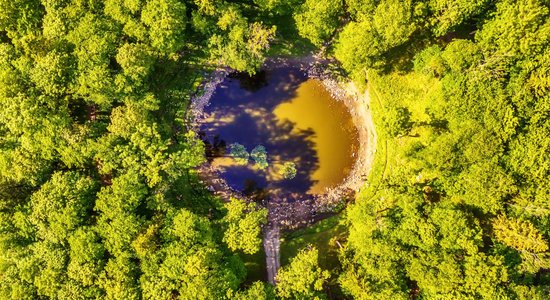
119, 223
86, 261
189, 262
243, 226
397, 121
358, 48
317, 20
259, 155
20, 17
393, 21
257, 291
119, 278
518, 234
241, 46
360, 8
53, 73
62, 205
302, 278
136, 61
239, 153
447, 14
96, 167
289, 170
166, 21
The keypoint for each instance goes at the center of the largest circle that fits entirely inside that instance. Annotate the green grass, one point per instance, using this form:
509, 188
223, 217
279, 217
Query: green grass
321, 235
255, 266
379, 165
413, 91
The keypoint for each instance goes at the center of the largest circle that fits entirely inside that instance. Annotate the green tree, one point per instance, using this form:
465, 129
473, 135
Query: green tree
53, 73
288, 170
240, 45
302, 278
257, 291
62, 205
86, 260
397, 121
358, 48
166, 21
239, 153
393, 21
119, 223
20, 17
136, 61
259, 155
317, 20
243, 226
359, 8
448, 14
189, 262
520, 235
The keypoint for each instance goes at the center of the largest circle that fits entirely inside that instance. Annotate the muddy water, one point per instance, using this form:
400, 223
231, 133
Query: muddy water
294, 118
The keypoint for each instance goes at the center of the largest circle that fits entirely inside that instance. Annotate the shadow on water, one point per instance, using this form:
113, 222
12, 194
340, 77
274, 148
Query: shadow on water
251, 83
242, 111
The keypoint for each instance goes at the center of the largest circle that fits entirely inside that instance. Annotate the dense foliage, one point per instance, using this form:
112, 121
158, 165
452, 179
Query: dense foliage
302, 278
98, 194
458, 206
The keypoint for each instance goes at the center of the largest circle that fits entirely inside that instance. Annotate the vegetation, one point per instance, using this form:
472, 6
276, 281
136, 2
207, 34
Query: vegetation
317, 20
302, 278
98, 194
288, 170
327, 236
243, 223
259, 155
99, 199
239, 153
459, 100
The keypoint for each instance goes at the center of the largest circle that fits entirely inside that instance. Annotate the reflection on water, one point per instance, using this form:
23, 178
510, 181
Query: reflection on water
296, 120
313, 108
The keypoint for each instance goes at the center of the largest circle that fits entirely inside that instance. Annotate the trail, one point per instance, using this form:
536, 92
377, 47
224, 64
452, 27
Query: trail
272, 253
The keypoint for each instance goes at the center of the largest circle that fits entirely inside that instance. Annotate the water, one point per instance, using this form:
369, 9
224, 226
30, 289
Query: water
295, 119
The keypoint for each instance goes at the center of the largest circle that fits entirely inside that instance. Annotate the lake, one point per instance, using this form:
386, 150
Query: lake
297, 122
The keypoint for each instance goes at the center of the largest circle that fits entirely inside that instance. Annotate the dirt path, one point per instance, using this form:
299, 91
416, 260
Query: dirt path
272, 250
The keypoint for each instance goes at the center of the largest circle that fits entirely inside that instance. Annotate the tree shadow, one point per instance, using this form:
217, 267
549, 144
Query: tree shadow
249, 82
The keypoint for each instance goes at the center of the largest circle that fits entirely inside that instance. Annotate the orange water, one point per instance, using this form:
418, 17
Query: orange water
335, 134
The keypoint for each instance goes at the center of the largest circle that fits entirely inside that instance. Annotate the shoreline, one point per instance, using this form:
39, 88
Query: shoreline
317, 207
358, 105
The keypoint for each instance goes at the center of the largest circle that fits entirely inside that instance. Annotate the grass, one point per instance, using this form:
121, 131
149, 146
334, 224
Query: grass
413, 91
322, 235
380, 162
255, 266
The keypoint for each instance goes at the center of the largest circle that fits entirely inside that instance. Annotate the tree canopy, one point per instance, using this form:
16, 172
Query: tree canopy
456, 93
99, 196
99, 192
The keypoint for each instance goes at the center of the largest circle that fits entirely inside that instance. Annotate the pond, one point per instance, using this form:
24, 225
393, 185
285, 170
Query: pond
309, 138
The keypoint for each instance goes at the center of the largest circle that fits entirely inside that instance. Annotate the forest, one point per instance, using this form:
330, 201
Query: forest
100, 197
